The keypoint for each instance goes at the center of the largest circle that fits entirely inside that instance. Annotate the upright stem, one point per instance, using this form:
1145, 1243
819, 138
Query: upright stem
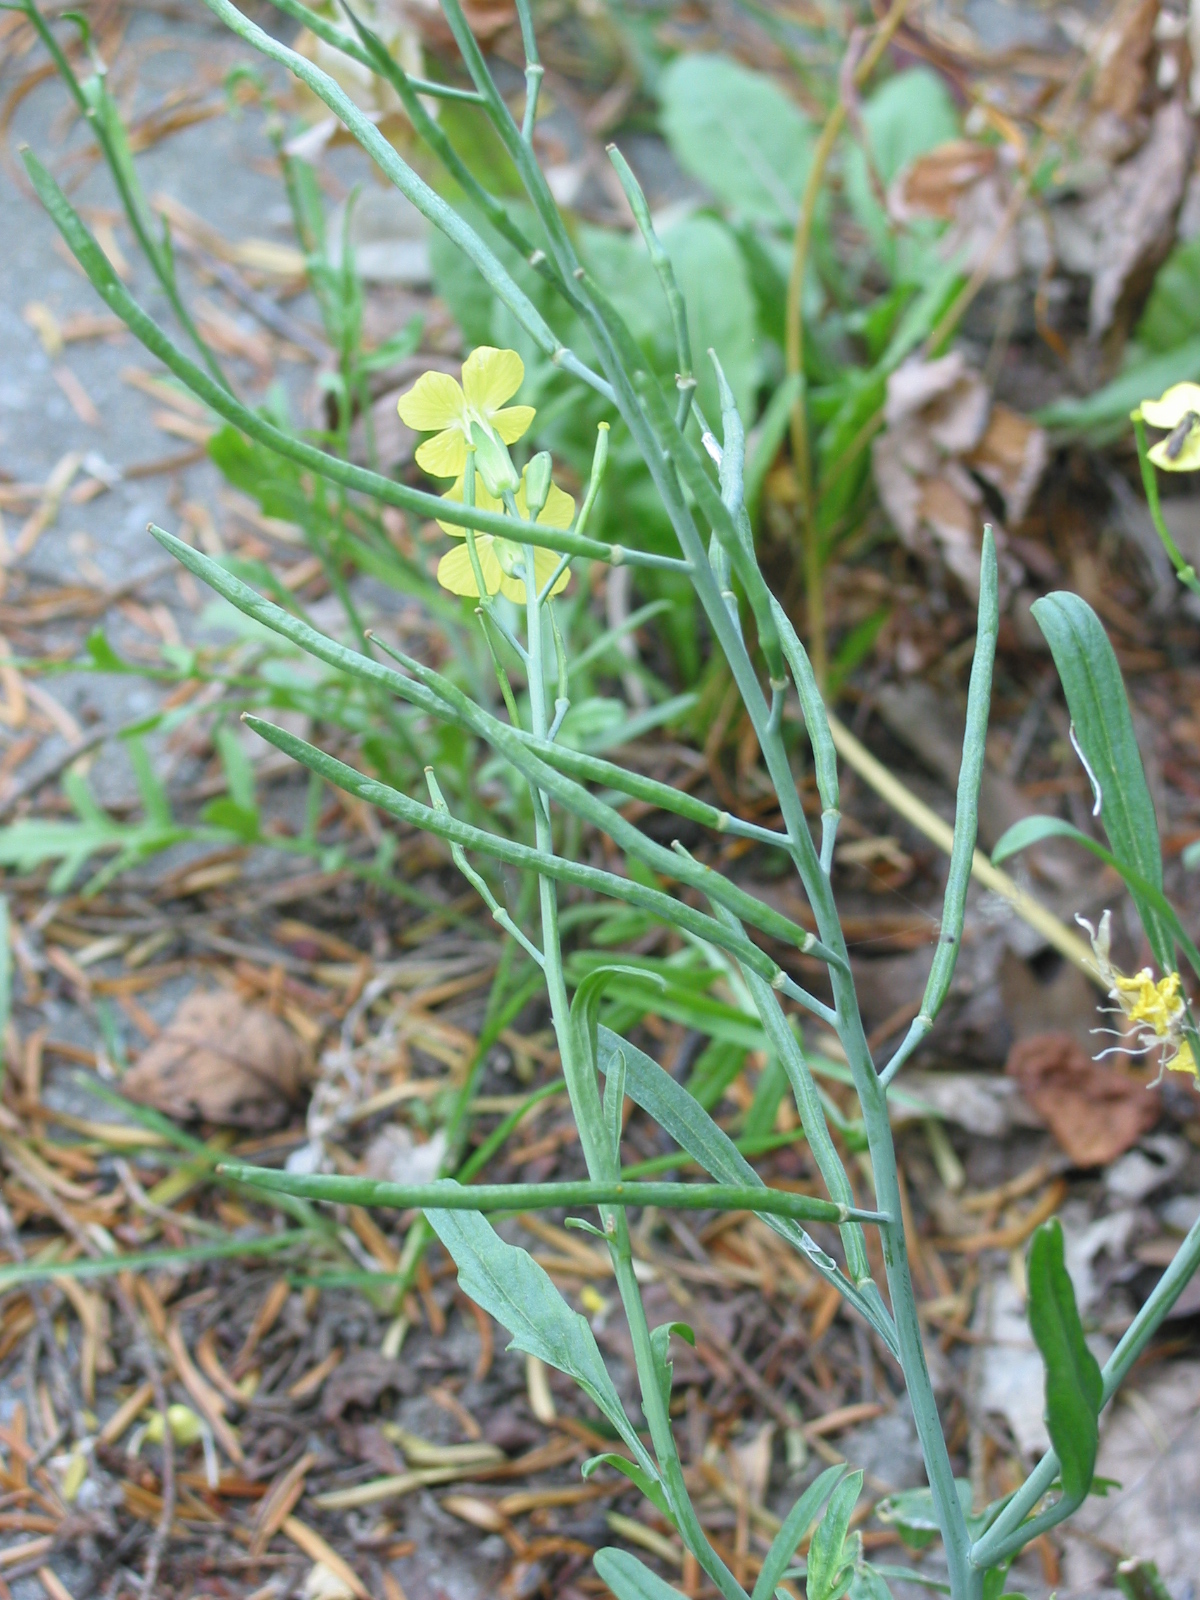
583, 1091
1184, 571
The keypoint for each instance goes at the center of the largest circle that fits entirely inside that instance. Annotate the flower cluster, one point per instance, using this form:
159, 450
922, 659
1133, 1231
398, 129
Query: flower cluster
1156, 1010
474, 417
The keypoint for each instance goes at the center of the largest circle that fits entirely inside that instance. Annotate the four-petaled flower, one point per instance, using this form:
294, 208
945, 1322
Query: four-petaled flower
1179, 412
502, 561
1157, 1011
490, 377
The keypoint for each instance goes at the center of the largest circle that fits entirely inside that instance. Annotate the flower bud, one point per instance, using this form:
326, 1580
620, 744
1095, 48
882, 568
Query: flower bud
537, 483
493, 462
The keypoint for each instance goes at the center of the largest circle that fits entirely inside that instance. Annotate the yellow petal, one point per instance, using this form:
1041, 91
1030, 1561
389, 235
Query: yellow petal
1170, 410
512, 422
544, 563
559, 510
1184, 1060
456, 573
490, 377
483, 500
1185, 460
443, 456
434, 401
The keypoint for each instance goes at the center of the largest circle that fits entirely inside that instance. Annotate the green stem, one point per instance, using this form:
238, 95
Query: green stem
448, 1195
1184, 570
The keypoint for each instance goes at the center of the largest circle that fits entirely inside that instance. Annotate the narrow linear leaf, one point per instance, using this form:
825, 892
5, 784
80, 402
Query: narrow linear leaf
1099, 707
1074, 1387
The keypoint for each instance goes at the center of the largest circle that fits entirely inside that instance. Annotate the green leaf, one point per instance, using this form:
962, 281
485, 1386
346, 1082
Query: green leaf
739, 134
1091, 680
1172, 314
795, 1526
1074, 1387
868, 1583
631, 1579
908, 114
712, 277
664, 1367
508, 1283
649, 1486
1108, 409
911, 1512
685, 1121
830, 1561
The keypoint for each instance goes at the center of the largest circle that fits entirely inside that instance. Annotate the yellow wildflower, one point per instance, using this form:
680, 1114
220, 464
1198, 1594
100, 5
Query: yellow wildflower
1179, 412
502, 561
436, 401
1156, 1010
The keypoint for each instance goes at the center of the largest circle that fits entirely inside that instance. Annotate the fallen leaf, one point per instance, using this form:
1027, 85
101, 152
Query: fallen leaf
941, 429
221, 1060
1096, 1110
969, 186
360, 1380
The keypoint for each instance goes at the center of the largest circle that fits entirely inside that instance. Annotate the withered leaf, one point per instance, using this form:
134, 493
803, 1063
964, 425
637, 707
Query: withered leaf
1095, 1109
221, 1060
360, 1380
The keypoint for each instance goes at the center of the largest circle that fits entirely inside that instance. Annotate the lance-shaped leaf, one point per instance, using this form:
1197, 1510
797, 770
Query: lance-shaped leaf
631, 1579
685, 1120
830, 1557
1091, 680
508, 1283
795, 1526
1074, 1387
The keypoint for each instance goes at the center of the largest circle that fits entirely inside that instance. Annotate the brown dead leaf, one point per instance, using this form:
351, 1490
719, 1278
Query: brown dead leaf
221, 1060
941, 428
362, 1377
1011, 456
968, 185
1095, 1110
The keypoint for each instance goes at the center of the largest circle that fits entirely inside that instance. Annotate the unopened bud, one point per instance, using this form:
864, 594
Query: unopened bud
537, 483
493, 462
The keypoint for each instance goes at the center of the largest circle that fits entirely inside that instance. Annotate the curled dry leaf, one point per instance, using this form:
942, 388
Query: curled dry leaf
1095, 1109
943, 431
968, 185
221, 1060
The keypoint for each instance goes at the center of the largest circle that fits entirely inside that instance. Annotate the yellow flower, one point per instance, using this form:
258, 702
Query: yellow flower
1157, 1011
436, 401
502, 561
1178, 411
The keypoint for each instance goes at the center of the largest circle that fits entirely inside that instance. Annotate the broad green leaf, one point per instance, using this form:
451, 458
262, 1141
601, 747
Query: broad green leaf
911, 1512
1091, 680
631, 1579
1172, 314
508, 1283
649, 1486
739, 134
830, 1560
1074, 1387
795, 1526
